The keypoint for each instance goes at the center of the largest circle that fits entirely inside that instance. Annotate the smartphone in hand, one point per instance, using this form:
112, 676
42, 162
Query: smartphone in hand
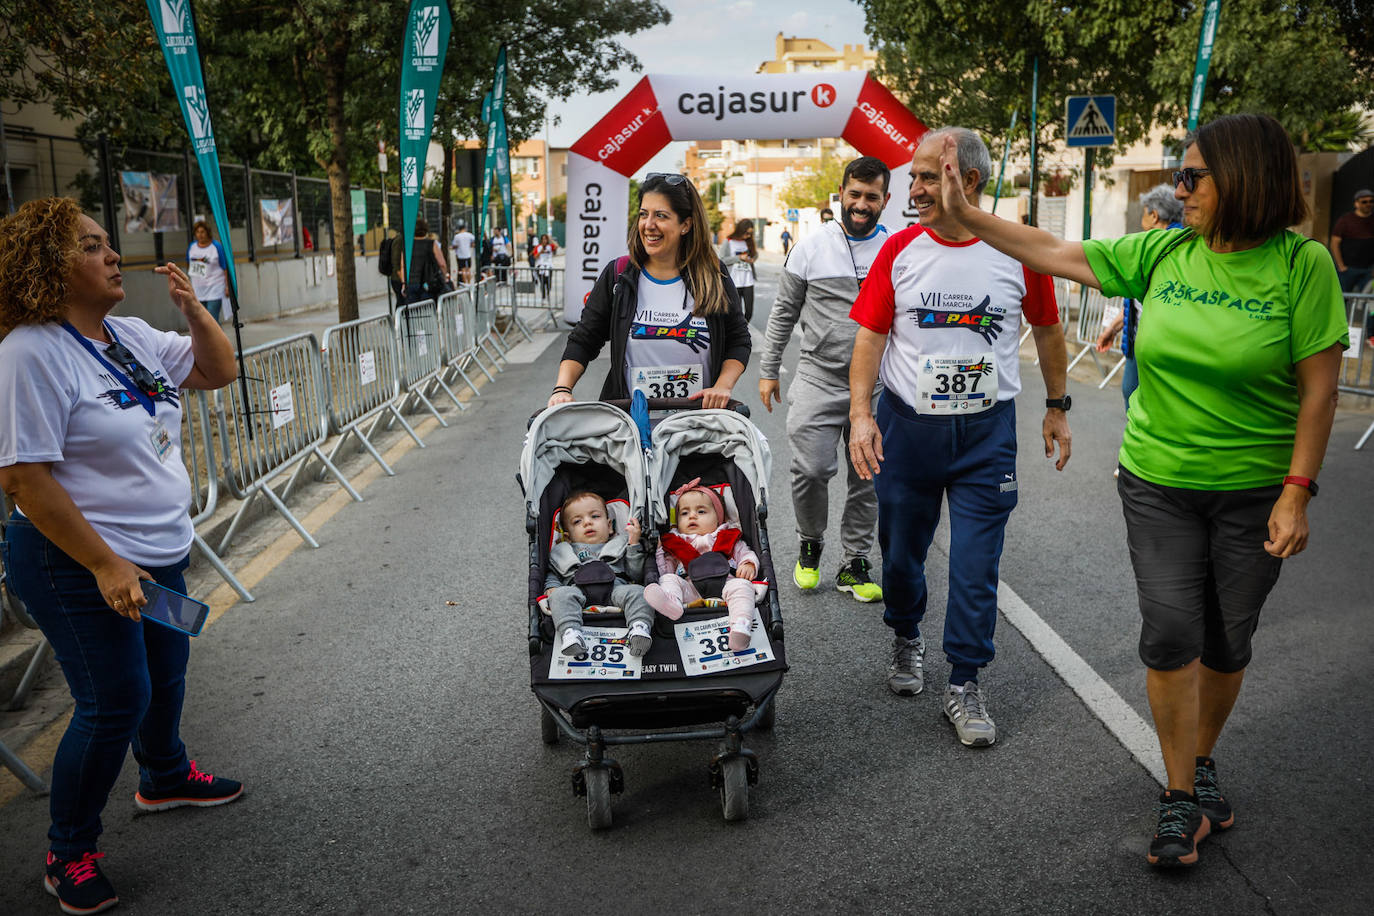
173, 609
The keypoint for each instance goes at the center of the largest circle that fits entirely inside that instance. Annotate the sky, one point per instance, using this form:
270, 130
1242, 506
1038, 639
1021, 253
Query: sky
734, 36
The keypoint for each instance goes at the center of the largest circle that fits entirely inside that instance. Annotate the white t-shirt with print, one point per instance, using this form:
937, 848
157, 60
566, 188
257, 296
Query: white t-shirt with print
59, 405
664, 331
207, 277
741, 272
462, 244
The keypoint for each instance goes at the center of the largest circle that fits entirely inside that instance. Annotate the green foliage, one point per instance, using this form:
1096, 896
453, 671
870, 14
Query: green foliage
813, 189
1342, 131
559, 204
970, 63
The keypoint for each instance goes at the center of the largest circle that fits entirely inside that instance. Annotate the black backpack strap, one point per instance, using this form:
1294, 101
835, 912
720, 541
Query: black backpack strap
1183, 236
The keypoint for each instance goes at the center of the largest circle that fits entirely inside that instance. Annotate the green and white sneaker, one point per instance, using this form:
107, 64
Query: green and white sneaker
854, 577
807, 575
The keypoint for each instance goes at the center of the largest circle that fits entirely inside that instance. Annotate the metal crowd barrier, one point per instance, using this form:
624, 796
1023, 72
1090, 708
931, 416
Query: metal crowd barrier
198, 454
541, 289
1092, 310
421, 347
484, 299
457, 329
1357, 368
282, 425
519, 284
1061, 299
362, 377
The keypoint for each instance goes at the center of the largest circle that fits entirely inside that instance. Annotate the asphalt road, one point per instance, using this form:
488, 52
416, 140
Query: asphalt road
375, 700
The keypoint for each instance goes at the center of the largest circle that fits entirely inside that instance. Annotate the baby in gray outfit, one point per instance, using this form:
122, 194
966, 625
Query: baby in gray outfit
590, 559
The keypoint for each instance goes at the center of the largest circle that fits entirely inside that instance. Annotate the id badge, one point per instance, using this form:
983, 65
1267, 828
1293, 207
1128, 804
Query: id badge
667, 381
199, 269
161, 440
956, 384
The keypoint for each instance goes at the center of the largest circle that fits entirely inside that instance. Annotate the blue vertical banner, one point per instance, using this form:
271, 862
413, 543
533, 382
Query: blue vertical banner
1211, 14
498, 147
176, 33
426, 42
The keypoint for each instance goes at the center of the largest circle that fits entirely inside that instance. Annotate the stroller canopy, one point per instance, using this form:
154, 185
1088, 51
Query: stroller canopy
695, 432
582, 432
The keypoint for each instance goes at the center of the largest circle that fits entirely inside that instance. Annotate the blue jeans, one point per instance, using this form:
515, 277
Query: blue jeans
128, 680
971, 461
1130, 380
213, 306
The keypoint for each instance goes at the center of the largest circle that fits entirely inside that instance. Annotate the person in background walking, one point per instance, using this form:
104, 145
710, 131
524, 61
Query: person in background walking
90, 452
208, 267
500, 254
1159, 210
1239, 352
542, 255
827, 215
426, 276
463, 242
739, 253
786, 239
1352, 246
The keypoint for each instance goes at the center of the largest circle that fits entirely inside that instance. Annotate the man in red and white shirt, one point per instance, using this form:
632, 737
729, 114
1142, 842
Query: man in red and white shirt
940, 317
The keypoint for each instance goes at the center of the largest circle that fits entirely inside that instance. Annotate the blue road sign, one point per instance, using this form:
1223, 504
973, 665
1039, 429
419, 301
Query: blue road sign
792, 214
1091, 120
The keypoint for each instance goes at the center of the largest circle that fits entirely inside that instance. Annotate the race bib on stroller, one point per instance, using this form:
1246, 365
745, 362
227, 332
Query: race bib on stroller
608, 658
705, 646
667, 381
956, 384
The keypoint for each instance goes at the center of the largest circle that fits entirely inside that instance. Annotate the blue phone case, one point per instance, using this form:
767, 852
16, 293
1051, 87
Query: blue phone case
173, 609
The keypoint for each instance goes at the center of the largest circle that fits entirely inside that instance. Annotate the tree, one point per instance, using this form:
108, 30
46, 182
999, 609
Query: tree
813, 189
559, 204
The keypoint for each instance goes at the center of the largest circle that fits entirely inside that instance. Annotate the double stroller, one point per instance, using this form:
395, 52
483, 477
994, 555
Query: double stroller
689, 686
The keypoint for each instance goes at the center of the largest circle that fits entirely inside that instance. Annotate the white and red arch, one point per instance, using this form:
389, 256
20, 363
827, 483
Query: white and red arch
660, 109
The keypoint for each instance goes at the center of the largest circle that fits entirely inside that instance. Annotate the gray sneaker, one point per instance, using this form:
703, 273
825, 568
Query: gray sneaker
904, 676
964, 707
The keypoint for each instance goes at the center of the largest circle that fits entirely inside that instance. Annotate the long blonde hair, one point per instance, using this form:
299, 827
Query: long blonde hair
697, 260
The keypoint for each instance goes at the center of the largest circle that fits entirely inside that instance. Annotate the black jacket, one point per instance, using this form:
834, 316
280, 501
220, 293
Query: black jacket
610, 310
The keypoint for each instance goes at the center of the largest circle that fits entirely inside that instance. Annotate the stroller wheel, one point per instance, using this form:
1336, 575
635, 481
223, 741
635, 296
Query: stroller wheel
598, 797
734, 789
548, 728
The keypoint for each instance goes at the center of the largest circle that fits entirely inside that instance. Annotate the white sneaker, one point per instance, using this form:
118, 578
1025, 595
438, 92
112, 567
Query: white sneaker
640, 639
574, 645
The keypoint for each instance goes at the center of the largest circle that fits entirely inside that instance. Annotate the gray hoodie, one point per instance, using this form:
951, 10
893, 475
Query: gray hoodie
818, 286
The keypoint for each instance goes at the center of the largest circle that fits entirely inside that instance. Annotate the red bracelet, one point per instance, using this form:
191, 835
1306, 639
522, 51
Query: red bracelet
1307, 482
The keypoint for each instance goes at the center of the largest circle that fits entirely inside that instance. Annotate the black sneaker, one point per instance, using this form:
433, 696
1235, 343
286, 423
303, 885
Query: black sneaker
79, 885
199, 789
1182, 825
807, 575
1209, 797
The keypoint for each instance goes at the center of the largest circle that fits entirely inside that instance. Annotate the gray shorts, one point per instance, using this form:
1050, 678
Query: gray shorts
1201, 570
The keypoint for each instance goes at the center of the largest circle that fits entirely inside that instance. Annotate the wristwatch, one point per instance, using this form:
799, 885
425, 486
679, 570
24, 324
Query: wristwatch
1302, 482
1063, 403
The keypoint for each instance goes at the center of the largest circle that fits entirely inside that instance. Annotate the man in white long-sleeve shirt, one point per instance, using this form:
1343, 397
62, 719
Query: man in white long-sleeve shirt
819, 284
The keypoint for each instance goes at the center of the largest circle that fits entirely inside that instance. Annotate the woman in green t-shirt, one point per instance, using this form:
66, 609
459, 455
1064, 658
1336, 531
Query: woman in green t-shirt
1239, 349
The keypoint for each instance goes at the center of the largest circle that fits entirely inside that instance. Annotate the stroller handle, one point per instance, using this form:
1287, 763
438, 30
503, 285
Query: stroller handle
738, 407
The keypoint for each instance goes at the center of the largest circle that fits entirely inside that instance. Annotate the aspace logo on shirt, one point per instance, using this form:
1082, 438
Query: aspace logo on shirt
1174, 292
690, 331
955, 310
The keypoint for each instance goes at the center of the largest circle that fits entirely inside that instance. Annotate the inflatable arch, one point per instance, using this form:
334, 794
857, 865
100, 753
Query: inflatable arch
660, 109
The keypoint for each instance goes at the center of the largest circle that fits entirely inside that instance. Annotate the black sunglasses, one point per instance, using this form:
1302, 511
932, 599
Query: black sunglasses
1189, 178
144, 379
672, 179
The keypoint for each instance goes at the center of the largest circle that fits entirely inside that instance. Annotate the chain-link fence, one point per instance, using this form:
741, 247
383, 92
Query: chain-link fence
149, 201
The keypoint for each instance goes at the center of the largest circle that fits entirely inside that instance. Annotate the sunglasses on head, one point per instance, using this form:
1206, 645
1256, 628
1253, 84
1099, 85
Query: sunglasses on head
144, 379
672, 179
1189, 177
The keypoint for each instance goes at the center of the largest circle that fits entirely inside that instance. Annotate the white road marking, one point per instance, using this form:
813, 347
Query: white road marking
1121, 719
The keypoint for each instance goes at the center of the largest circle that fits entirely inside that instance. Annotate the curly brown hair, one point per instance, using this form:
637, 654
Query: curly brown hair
38, 255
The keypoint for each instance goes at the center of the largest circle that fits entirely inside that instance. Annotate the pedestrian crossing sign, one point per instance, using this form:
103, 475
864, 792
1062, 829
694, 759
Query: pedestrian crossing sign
1091, 120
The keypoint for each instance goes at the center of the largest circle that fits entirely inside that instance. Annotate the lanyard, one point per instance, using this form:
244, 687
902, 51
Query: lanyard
139, 394
850, 248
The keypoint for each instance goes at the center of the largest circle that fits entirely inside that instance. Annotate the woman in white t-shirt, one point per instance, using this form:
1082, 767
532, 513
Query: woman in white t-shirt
543, 263
738, 252
208, 267
90, 452
668, 310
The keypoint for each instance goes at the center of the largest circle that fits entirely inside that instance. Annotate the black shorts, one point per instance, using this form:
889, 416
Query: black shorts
464, 262
1201, 570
